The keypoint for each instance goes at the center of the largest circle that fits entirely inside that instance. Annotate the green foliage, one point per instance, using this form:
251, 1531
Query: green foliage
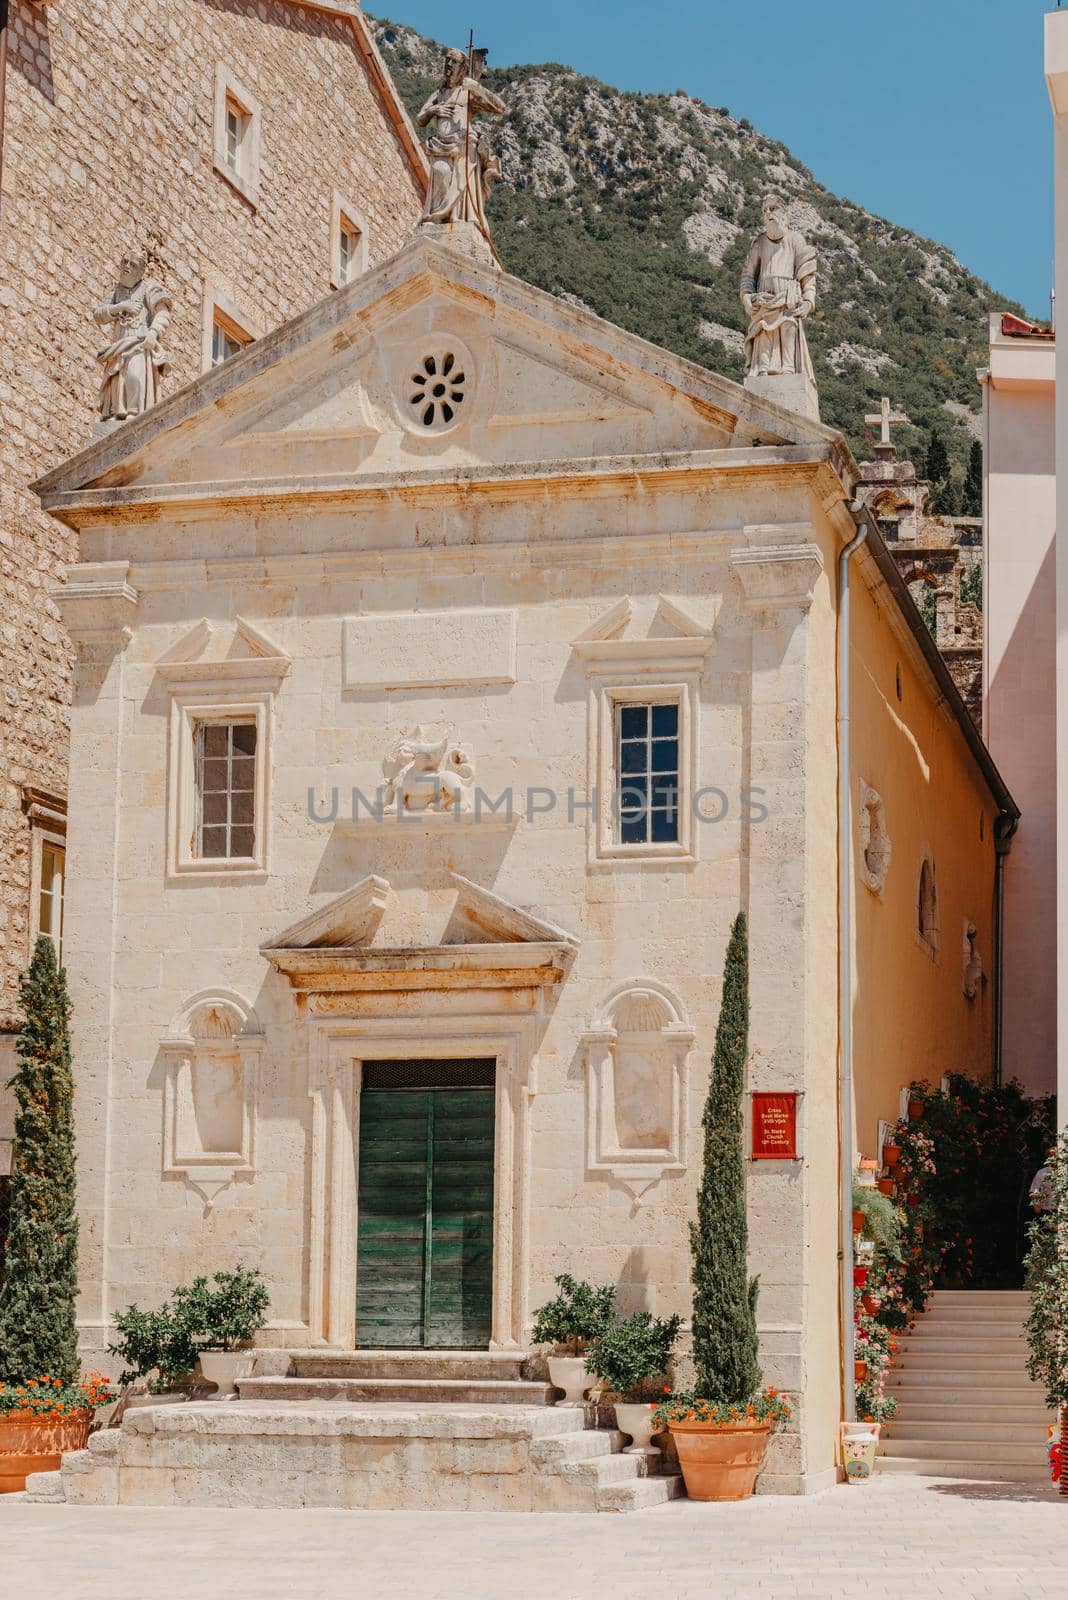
51, 1397
37, 1331
882, 1219
578, 1314
1047, 1278
228, 1315
632, 1353
154, 1341
971, 586
972, 496
694, 1406
724, 1296
599, 214
928, 608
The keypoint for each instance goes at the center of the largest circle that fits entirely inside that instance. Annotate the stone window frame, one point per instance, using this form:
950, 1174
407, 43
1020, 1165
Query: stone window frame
245, 177
927, 931
47, 817
221, 310
872, 806
610, 693
189, 709
342, 211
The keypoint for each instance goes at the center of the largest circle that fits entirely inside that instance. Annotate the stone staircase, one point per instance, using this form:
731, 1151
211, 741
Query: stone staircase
966, 1406
386, 1430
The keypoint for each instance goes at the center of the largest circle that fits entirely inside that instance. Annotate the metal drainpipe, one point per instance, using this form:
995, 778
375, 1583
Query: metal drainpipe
845, 973
1004, 831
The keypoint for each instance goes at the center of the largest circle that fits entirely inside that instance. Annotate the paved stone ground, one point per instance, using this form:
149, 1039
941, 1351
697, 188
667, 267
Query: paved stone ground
918, 1538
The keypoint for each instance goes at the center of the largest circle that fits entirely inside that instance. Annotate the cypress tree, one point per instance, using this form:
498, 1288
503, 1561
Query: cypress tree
936, 466
37, 1332
972, 498
724, 1296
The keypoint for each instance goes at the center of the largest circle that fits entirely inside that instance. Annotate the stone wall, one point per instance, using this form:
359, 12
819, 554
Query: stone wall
109, 143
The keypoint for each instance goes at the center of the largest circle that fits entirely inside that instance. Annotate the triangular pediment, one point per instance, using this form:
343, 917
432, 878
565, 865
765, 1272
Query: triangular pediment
451, 924
236, 650
653, 633
432, 363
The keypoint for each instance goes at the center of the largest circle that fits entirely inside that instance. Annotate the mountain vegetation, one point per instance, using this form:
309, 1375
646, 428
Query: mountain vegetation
642, 207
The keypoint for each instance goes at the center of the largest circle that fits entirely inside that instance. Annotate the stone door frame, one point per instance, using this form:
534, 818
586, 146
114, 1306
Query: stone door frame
339, 1046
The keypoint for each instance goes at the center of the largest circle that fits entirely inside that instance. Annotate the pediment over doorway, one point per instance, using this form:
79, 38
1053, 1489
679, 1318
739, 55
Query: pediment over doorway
452, 934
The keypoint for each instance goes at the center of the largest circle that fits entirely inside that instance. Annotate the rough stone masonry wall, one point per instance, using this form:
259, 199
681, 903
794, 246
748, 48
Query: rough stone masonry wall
109, 143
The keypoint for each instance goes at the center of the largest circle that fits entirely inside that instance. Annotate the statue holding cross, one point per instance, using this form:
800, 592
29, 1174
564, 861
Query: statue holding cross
884, 420
462, 162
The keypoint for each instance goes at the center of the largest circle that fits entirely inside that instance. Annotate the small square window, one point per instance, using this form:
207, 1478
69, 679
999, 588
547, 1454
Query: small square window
348, 241
224, 756
348, 251
237, 135
236, 127
647, 773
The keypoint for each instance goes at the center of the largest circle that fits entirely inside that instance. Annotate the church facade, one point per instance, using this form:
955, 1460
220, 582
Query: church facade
452, 668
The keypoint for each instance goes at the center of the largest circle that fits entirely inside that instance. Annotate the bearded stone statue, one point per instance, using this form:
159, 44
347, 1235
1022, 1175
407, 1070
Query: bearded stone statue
138, 313
778, 291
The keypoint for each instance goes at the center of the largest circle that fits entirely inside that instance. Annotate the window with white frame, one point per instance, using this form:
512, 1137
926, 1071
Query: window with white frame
224, 764
647, 772
348, 242
50, 895
237, 134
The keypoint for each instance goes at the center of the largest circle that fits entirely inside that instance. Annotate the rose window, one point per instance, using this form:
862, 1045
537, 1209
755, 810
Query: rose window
438, 388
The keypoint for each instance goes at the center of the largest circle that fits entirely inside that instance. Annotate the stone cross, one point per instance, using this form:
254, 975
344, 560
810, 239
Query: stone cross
886, 419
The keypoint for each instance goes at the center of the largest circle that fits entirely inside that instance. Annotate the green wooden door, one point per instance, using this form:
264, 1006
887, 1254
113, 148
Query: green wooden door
424, 1269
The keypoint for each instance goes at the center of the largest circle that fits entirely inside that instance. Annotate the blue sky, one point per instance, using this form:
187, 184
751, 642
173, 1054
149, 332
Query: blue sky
932, 113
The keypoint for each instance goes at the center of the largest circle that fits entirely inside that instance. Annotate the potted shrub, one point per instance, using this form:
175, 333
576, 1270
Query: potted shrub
721, 1428
155, 1346
221, 1322
1047, 1279
570, 1321
42, 1418
37, 1331
630, 1357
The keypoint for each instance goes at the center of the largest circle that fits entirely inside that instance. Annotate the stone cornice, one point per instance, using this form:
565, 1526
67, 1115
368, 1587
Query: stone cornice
602, 476
97, 602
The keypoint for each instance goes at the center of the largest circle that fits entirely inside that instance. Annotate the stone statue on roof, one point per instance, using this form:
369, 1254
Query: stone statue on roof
462, 160
778, 291
137, 313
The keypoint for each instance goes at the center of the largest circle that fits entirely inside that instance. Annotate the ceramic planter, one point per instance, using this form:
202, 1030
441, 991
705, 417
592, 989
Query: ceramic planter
637, 1420
891, 1155
860, 1371
569, 1374
860, 1277
35, 1444
871, 1303
720, 1461
226, 1368
915, 1110
858, 1220
885, 1185
860, 1440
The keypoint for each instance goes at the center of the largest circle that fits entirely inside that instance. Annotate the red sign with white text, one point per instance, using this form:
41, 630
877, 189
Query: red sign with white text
774, 1127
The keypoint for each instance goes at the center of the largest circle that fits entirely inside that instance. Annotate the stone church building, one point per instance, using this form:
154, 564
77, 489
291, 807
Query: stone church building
452, 667
257, 153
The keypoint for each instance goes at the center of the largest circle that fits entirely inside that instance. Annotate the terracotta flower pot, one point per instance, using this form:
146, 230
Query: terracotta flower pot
871, 1303
720, 1461
885, 1185
860, 1277
912, 1199
35, 1444
860, 1371
915, 1110
891, 1155
858, 1220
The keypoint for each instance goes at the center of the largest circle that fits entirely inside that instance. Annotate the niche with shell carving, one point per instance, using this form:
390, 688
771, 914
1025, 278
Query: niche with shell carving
211, 1058
636, 1054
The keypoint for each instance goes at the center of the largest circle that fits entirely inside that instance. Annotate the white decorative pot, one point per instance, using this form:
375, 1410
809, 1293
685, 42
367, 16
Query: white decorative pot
225, 1368
569, 1374
637, 1420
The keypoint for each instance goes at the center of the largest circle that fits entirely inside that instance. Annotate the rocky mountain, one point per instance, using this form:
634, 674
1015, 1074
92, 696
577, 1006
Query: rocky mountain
642, 208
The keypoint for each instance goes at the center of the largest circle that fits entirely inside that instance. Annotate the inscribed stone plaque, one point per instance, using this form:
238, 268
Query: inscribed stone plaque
428, 649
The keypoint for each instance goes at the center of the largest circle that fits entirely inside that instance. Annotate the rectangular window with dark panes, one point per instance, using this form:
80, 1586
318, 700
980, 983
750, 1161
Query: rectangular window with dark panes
225, 790
647, 773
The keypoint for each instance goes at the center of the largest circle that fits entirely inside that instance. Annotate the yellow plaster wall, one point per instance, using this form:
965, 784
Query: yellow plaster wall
911, 1018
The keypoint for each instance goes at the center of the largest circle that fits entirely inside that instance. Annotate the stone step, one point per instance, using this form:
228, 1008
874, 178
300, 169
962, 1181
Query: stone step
979, 1297
930, 1343
549, 1452
1032, 1452
988, 1430
986, 1471
975, 1398
910, 1409
42, 1488
958, 1359
398, 1391
602, 1470
482, 1365
642, 1493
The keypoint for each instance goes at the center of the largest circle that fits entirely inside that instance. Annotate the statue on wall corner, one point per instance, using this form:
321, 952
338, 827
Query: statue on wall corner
138, 313
778, 291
